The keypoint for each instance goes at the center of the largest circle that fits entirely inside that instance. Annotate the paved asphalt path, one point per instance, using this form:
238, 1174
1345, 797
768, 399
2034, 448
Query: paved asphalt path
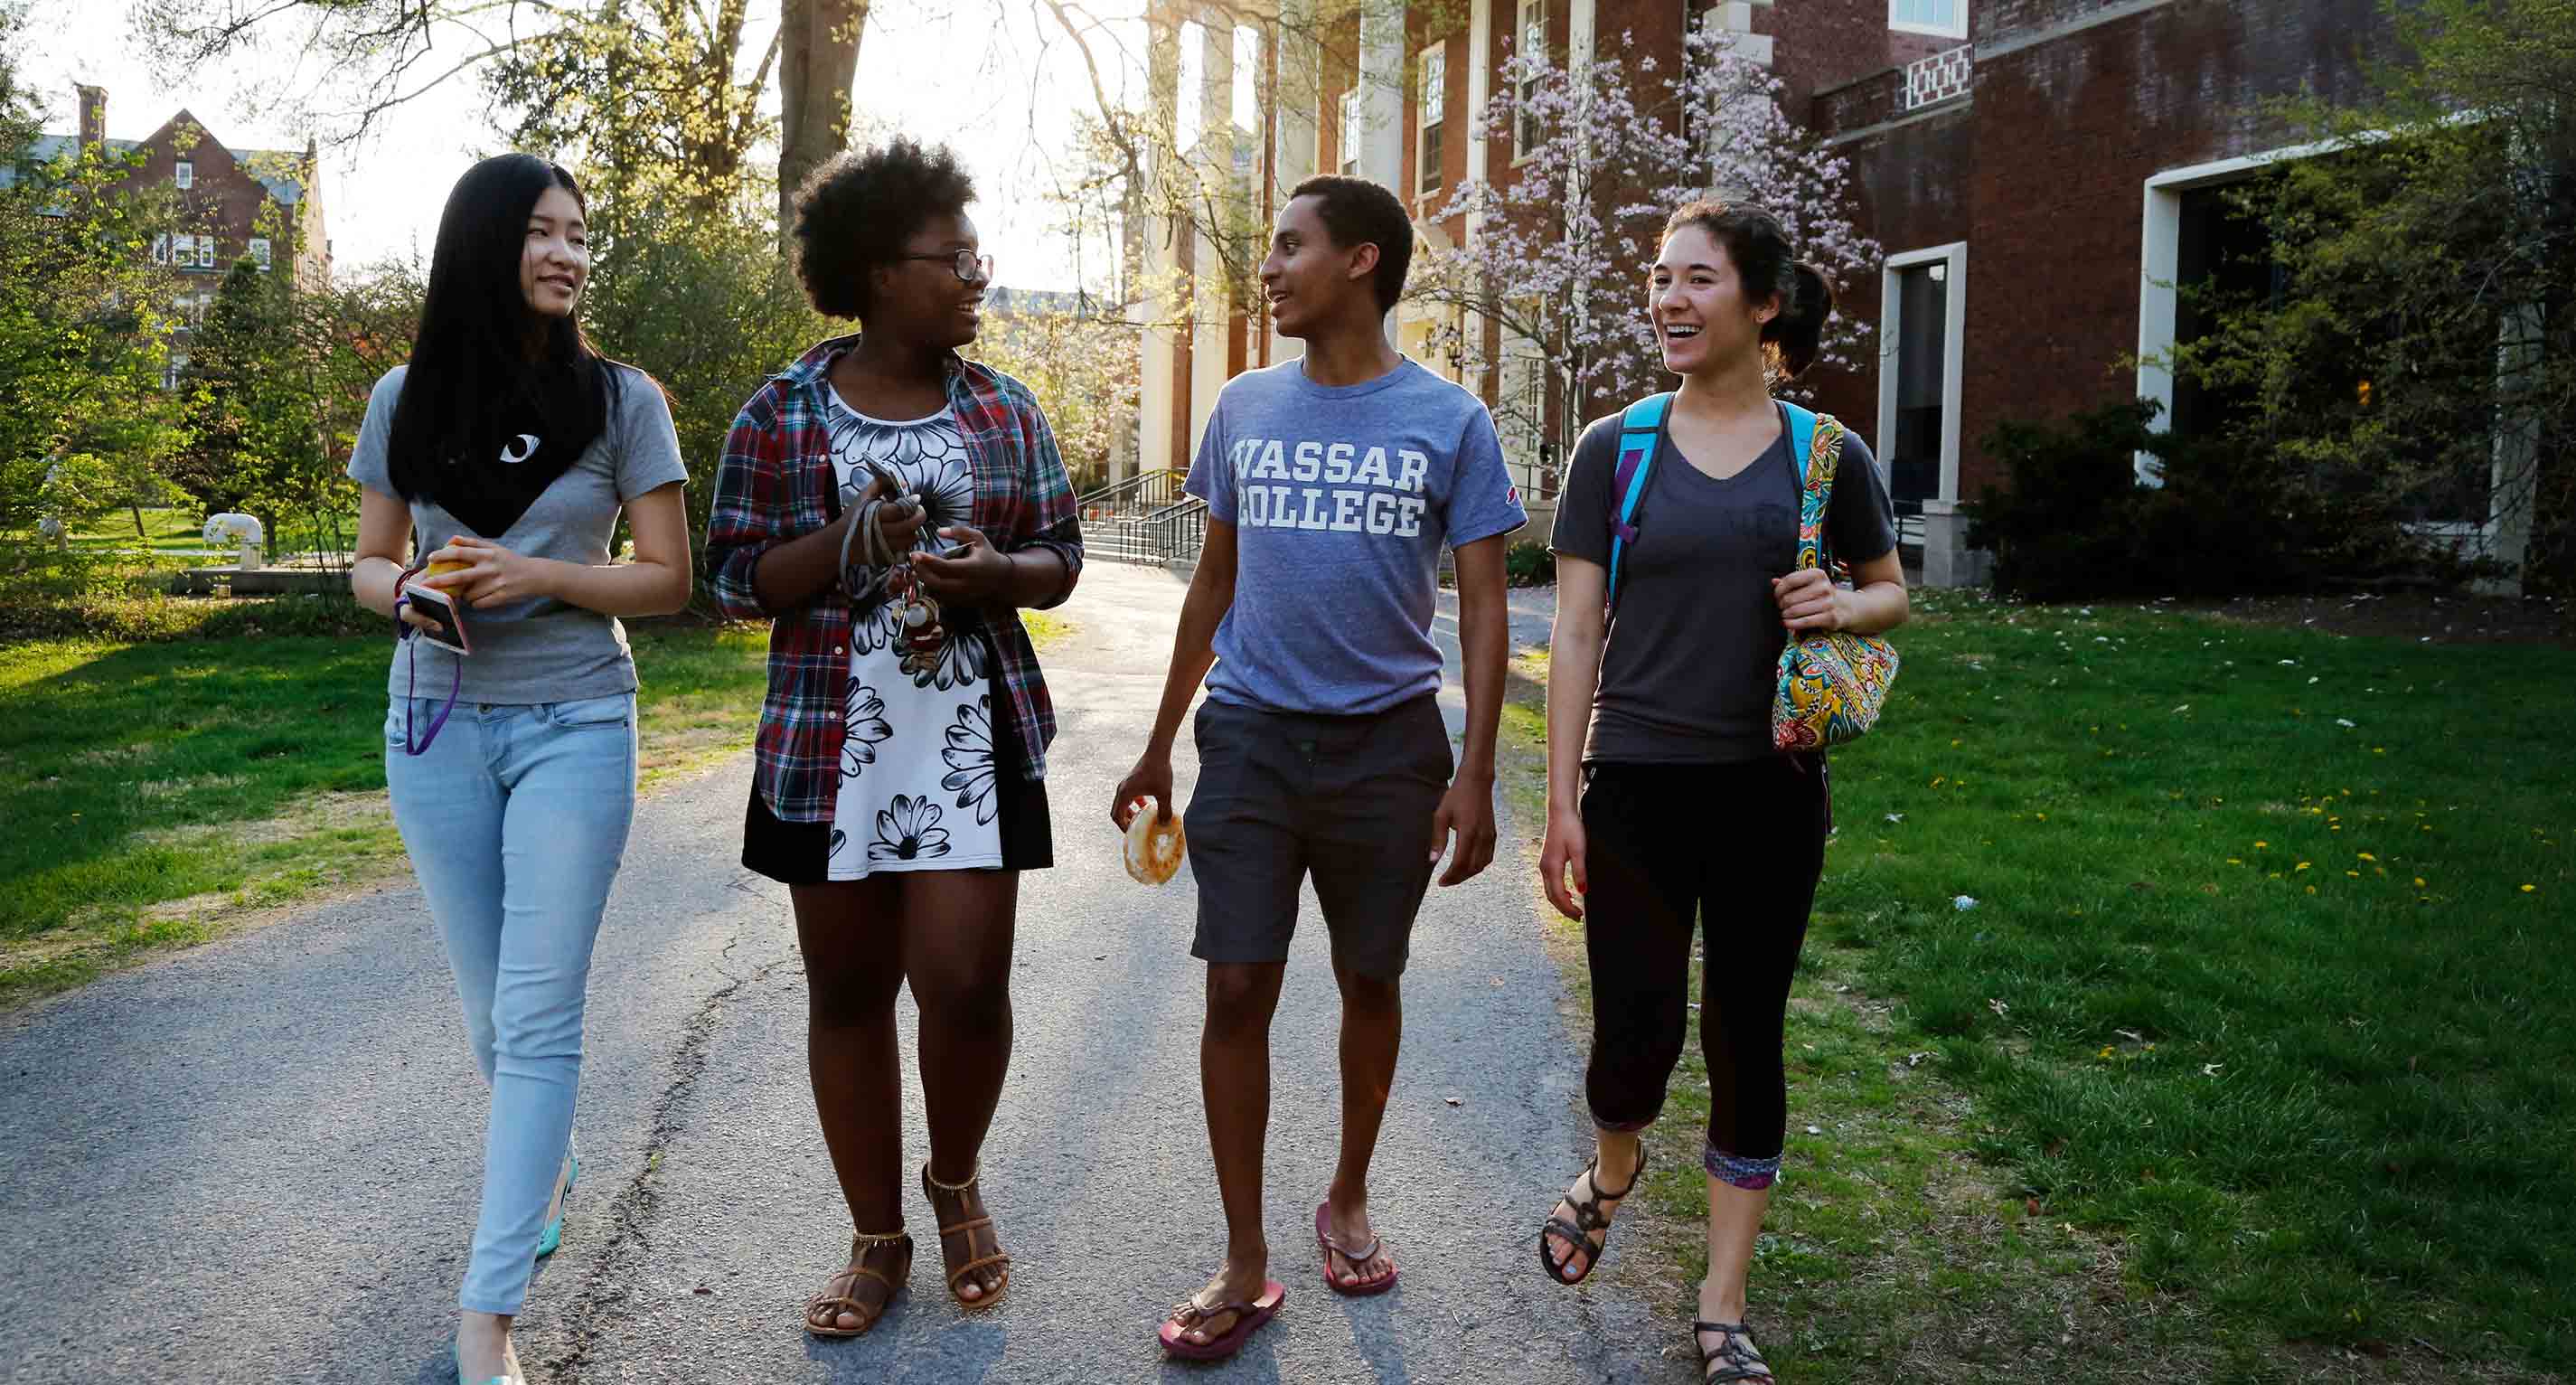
257, 1161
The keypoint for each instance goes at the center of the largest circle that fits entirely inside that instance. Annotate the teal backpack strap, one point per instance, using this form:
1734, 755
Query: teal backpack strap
1638, 426
1802, 437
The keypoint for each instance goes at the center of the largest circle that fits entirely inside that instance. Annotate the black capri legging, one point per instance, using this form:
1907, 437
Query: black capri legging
1736, 848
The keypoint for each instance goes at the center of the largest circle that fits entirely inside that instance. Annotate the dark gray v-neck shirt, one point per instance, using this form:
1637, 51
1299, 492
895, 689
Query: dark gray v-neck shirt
1690, 663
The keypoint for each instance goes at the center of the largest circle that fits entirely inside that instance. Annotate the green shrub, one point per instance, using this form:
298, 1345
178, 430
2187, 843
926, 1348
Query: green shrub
2062, 526
2235, 515
1529, 564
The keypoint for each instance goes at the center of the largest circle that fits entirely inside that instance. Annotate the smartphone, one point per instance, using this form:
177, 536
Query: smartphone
443, 607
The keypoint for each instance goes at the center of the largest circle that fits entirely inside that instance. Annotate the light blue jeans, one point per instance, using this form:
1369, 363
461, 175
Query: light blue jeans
516, 819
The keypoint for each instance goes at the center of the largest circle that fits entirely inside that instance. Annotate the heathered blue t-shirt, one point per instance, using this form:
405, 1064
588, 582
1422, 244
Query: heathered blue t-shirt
1341, 497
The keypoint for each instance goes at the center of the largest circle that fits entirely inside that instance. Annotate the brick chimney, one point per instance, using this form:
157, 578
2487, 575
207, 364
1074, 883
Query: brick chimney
93, 116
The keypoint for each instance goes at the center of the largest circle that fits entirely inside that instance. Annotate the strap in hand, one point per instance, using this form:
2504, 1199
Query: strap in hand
414, 744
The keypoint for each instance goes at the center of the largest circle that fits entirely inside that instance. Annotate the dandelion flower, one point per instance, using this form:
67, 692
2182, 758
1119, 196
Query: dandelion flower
2303, 865
2529, 888
2419, 882
2368, 857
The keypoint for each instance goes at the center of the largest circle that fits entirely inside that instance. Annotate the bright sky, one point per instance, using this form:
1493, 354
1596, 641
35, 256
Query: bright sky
994, 79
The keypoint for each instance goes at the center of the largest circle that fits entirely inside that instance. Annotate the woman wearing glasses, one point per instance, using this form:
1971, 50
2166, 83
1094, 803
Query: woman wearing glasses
890, 507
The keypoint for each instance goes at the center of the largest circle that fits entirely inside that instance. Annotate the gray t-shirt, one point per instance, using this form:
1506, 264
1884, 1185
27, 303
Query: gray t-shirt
1341, 497
1690, 662
539, 650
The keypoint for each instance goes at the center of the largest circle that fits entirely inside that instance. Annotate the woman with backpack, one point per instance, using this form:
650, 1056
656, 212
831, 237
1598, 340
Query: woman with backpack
889, 507
497, 462
1677, 540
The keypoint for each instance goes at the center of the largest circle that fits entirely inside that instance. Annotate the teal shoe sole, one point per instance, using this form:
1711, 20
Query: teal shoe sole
551, 1239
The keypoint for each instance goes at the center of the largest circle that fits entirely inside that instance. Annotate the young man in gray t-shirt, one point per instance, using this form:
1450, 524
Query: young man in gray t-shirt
1332, 483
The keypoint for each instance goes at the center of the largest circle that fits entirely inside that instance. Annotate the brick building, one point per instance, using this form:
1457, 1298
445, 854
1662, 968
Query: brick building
2071, 149
264, 205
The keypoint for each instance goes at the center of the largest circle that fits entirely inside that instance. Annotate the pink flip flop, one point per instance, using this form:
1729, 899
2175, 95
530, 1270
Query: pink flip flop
1350, 1288
1249, 1318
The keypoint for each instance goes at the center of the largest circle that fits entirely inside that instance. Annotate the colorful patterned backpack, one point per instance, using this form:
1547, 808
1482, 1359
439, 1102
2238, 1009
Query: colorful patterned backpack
1831, 684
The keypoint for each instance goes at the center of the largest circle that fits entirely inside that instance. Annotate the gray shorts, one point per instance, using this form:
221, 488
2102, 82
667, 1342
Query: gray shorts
1348, 800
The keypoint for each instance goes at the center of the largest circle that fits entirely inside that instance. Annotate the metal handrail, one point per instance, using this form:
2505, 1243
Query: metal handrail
1146, 490
1180, 530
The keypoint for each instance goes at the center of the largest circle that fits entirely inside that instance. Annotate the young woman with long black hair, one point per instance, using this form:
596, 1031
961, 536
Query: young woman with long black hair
890, 507
1666, 800
504, 452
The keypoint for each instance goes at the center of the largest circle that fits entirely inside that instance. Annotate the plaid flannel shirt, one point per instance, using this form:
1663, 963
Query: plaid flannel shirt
776, 483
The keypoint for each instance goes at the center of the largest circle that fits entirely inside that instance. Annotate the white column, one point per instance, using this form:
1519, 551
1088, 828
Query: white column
1382, 97
1299, 102
1214, 141
1157, 290
1381, 86
1480, 89
2513, 475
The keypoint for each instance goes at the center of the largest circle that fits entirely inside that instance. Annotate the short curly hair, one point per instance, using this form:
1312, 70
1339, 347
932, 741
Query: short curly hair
856, 211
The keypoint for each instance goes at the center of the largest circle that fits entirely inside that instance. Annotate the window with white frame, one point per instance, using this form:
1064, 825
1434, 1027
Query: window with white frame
1435, 98
183, 251
259, 252
1350, 137
161, 249
1533, 45
1938, 18
186, 174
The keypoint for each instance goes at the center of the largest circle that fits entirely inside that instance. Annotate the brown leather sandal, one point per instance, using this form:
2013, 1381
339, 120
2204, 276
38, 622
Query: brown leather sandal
966, 1232
823, 1311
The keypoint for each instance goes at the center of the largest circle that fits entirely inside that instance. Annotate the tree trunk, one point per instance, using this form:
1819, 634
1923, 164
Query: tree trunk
139, 531
818, 57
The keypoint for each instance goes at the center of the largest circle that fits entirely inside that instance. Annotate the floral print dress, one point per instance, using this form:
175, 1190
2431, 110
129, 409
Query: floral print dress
917, 789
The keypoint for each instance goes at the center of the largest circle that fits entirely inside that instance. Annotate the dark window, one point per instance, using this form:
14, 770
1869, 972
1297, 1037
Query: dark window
1922, 381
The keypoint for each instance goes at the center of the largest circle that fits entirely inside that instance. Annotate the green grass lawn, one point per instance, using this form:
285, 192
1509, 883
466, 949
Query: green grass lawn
164, 529
2251, 1055
154, 791
183, 530
157, 793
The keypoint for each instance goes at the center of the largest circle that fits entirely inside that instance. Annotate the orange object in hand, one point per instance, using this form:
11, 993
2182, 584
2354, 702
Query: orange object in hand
1154, 846
435, 569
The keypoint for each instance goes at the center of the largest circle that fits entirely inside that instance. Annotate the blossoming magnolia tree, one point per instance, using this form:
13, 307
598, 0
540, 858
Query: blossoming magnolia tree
1551, 287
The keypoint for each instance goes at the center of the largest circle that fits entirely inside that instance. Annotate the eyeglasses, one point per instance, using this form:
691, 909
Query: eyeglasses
970, 267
